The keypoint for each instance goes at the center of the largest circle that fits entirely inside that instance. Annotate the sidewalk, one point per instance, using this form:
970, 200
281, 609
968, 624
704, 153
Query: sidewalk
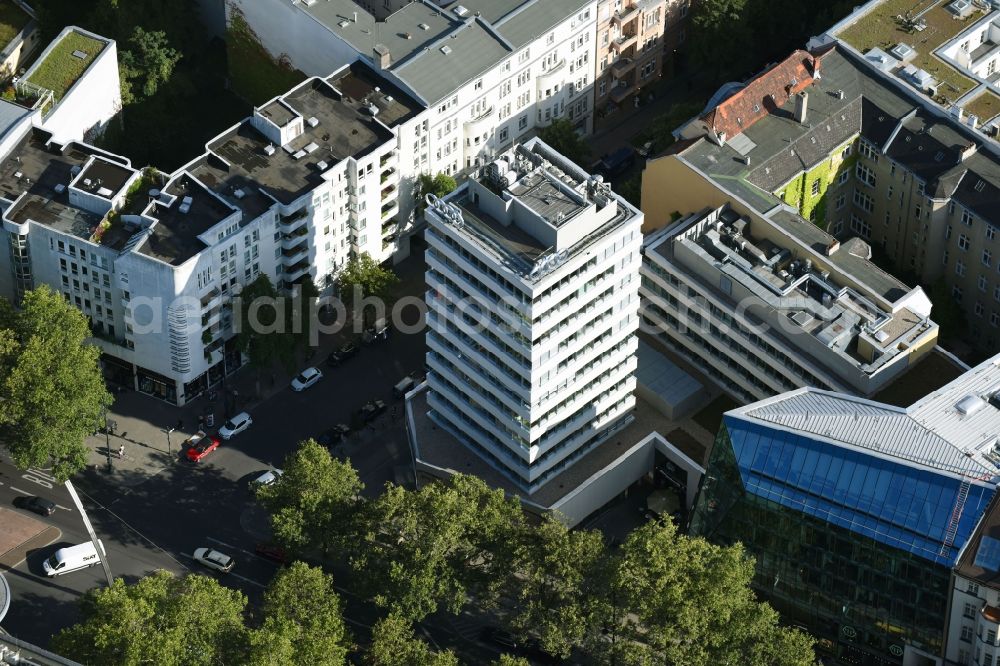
141, 420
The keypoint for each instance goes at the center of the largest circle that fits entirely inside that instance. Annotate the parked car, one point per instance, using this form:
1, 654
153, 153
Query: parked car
200, 445
339, 432
213, 559
618, 162
341, 354
235, 425
35, 504
266, 479
273, 552
371, 409
306, 378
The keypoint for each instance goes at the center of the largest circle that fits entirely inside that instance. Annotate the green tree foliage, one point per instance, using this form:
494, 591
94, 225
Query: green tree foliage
507, 660
363, 279
146, 64
553, 598
264, 334
302, 621
52, 394
394, 644
439, 185
300, 309
435, 546
161, 620
315, 504
563, 138
690, 602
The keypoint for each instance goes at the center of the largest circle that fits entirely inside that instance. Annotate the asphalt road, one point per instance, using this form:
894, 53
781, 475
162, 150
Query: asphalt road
159, 522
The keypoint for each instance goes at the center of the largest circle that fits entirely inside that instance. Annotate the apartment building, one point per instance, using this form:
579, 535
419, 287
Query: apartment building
490, 72
630, 50
946, 51
974, 615
532, 278
767, 304
860, 156
856, 512
154, 260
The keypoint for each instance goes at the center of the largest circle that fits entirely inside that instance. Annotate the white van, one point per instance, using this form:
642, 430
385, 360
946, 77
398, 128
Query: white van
404, 386
72, 558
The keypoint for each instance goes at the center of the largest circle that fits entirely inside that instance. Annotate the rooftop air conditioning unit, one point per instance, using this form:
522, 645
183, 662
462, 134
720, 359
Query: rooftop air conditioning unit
313, 121
239, 194
460, 11
60, 188
322, 166
270, 149
446, 49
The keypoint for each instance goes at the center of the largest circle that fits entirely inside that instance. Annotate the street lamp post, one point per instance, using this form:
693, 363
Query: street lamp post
168, 431
107, 439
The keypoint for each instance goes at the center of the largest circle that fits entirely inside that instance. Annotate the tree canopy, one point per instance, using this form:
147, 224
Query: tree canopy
394, 644
439, 185
265, 334
146, 64
52, 393
315, 503
161, 619
302, 621
362, 280
564, 139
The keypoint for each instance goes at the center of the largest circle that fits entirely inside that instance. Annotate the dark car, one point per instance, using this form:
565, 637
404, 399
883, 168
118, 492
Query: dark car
334, 435
340, 355
273, 552
617, 162
39, 505
371, 409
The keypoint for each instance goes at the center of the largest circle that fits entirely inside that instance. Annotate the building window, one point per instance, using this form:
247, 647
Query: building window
995, 319
978, 308
868, 150
841, 200
987, 258
963, 242
956, 293
864, 201
844, 176
815, 187
966, 218
860, 226
983, 284
865, 174
966, 633
960, 268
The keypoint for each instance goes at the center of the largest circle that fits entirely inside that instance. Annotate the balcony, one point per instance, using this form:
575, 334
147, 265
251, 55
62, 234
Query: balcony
389, 191
481, 124
625, 41
621, 67
387, 174
390, 226
294, 238
294, 253
388, 157
390, 209
294, 221
211, 299
620, 92
623, 18
550, 77
296, 270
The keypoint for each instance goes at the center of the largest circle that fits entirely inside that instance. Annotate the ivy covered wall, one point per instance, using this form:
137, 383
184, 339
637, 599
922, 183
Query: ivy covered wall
799, 192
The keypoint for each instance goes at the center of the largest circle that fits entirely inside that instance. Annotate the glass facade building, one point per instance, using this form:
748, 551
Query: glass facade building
853, 544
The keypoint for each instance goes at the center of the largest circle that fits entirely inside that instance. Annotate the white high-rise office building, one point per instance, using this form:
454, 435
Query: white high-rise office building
533, 279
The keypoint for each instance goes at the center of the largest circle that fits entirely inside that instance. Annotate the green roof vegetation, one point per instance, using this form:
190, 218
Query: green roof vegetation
60, 69
880, 28
12, 20
984, 106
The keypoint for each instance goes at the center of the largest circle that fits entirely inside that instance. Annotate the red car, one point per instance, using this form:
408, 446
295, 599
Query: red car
200, 446
270, 551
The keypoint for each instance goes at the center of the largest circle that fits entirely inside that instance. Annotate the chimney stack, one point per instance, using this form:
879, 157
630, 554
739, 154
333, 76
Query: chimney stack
801, 107
382, 57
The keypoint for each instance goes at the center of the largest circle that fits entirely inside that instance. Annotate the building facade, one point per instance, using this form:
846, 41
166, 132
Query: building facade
974, 616
859, 156
767, 304
155, 260
856, 511
532, 276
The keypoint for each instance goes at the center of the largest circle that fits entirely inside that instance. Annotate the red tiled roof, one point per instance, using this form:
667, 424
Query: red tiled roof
991, 613
792, 75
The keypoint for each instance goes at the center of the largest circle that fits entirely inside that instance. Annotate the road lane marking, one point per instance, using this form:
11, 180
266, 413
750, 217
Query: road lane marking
231, 547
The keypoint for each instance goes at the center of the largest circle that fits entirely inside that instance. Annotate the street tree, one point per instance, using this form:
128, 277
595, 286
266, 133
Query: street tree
302, 621
394, 644
264, 334
365, 287
316, 503
440, 185
554, 568
52, 393
690, 602
300, 309
564, 139
436, 546
161, 619
146, 64
508, 660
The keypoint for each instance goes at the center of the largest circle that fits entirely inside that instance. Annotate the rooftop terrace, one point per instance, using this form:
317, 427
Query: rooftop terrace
926, 25
65, 62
